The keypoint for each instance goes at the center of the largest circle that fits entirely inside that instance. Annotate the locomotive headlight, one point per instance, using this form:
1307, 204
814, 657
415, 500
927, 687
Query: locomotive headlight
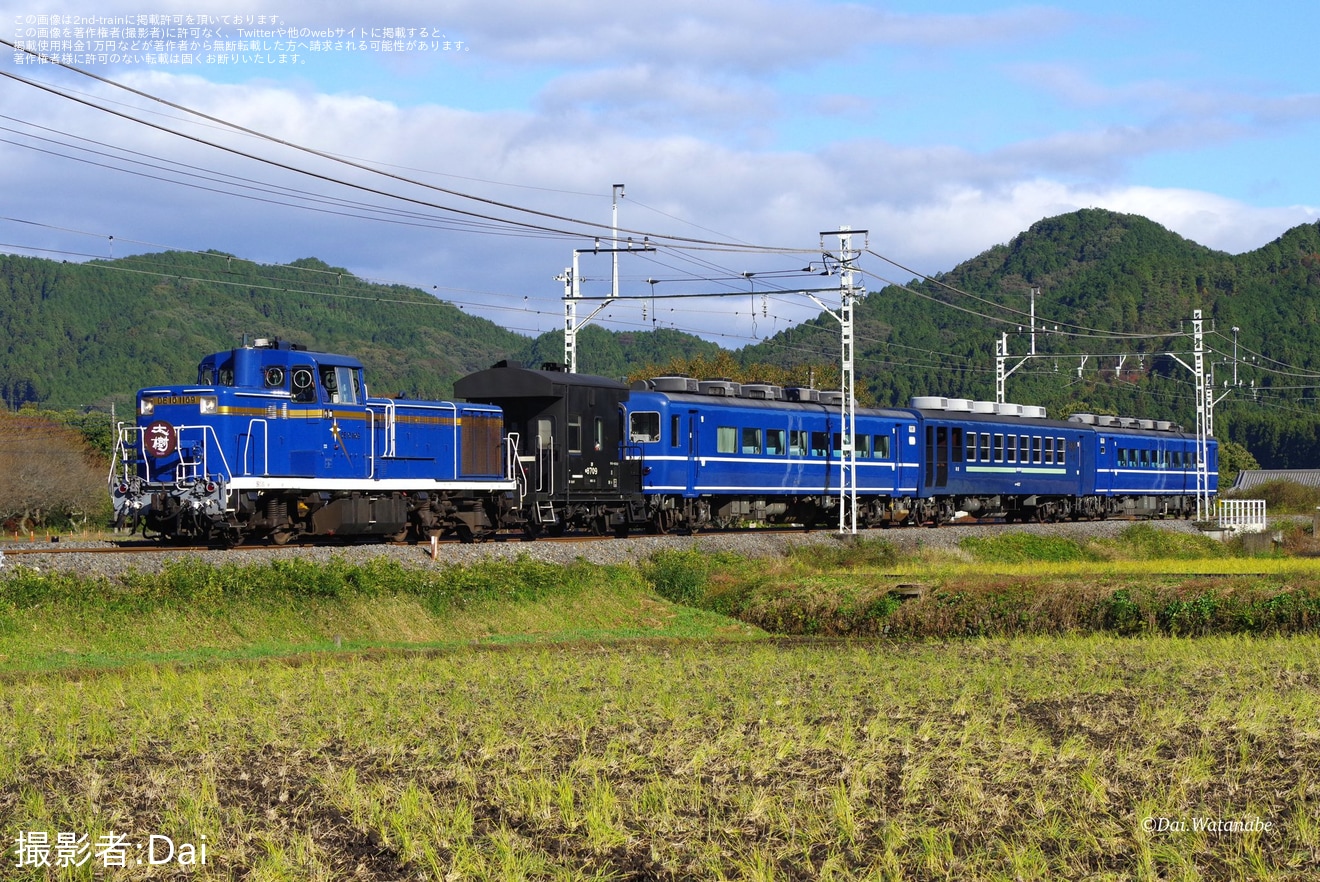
206, 404
146, 407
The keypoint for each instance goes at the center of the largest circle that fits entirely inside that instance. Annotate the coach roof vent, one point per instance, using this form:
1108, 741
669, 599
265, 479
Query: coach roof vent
1086, 419
763, 391
928, 402
983, 407
724, 388
959, 405
1033, 412
674, 384
1164, 425
801, 393
1003, 408
835, 397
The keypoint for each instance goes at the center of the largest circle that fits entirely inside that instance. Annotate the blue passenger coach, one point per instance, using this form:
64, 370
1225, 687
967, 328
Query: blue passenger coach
274, 440
715, 452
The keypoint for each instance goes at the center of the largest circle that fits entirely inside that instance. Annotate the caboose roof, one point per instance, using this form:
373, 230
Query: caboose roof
512, 381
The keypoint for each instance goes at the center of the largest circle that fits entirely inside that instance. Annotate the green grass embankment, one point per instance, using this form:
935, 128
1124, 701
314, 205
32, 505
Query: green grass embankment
192, 611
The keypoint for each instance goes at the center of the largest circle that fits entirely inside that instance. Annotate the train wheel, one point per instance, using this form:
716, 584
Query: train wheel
281, 537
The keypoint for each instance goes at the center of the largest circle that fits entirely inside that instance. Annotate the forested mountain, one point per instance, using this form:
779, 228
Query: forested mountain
1119, 289
78, 335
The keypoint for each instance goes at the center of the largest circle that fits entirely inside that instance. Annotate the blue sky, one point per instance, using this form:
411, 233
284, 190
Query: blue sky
942, 129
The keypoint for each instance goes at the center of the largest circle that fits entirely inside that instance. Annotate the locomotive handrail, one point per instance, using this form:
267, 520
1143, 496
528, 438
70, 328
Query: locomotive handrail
265, 444
227, 475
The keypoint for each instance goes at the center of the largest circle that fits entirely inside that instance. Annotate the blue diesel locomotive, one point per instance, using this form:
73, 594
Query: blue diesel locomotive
279, 442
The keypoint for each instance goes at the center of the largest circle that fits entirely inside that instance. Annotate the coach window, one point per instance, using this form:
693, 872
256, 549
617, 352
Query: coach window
998, 452
1049, 451
644, 426
881, 446
956, 445
1035, 449
818, 442
726, 439
985, 447
971, 447
1010, 448
675, 422
1145, 459
863, 445
797, 442
774, 442
751, 440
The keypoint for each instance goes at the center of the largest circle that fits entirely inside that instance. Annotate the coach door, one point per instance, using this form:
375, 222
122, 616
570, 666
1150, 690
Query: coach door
692, 420
937, 456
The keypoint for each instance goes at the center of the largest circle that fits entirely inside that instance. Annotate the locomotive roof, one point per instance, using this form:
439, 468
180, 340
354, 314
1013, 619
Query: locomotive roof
287, 353
509, 379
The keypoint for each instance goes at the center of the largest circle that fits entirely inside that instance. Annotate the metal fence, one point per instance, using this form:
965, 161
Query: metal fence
1242, 515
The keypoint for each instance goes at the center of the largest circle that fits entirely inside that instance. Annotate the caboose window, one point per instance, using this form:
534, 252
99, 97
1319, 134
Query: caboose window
644, 426
751, 440
726, 439
774, 442
575, 433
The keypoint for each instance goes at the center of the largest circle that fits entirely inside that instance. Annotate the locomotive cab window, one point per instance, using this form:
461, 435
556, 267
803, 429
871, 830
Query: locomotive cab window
304, 385
341, 384
644, 426
206, 374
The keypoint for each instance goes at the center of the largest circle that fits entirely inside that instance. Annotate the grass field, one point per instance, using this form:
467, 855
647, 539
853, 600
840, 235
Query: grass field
522, 721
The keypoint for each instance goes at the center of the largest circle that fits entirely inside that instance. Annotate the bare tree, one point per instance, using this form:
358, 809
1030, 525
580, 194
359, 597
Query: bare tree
46, 471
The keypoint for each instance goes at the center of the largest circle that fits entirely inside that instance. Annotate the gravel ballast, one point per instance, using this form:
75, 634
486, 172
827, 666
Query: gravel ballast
604, 551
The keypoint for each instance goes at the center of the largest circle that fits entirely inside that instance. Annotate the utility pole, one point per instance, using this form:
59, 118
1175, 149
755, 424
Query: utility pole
849, 292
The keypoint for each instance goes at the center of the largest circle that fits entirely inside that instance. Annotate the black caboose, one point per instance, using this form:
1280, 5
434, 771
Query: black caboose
568, 428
